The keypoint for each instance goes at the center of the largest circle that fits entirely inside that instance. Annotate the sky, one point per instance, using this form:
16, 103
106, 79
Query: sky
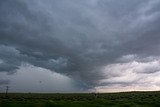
79, 45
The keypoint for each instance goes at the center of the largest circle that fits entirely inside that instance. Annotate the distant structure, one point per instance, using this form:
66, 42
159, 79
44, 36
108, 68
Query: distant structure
7, 88
95, 93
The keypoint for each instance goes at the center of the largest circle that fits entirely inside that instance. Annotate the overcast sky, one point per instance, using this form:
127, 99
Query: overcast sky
79, 45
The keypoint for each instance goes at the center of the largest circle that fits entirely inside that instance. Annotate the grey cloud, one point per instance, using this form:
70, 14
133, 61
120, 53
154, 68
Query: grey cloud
136, 72
4, 82
9, 59
76, 38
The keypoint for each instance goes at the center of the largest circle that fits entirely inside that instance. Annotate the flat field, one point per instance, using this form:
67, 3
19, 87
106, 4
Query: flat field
123, 99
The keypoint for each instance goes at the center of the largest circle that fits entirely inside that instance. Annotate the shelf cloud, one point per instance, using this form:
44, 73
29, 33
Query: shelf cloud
96, 43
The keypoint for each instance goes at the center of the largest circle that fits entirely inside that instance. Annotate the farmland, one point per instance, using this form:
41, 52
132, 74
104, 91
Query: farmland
123, 99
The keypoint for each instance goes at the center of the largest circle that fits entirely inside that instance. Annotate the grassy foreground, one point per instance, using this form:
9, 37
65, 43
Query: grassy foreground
126, 99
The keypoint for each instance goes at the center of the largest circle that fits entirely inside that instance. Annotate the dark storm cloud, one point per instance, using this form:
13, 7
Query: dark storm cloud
76, 38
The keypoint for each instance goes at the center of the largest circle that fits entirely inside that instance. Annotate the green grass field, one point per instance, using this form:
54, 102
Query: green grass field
126, 99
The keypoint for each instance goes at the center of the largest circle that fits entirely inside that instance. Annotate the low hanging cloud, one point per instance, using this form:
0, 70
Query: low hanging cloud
135, 74
78, 38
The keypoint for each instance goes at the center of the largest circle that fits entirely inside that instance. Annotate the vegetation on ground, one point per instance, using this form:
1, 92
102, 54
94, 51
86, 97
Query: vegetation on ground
124, 99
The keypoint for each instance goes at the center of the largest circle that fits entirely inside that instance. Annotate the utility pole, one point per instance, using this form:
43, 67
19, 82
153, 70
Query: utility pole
7, 88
